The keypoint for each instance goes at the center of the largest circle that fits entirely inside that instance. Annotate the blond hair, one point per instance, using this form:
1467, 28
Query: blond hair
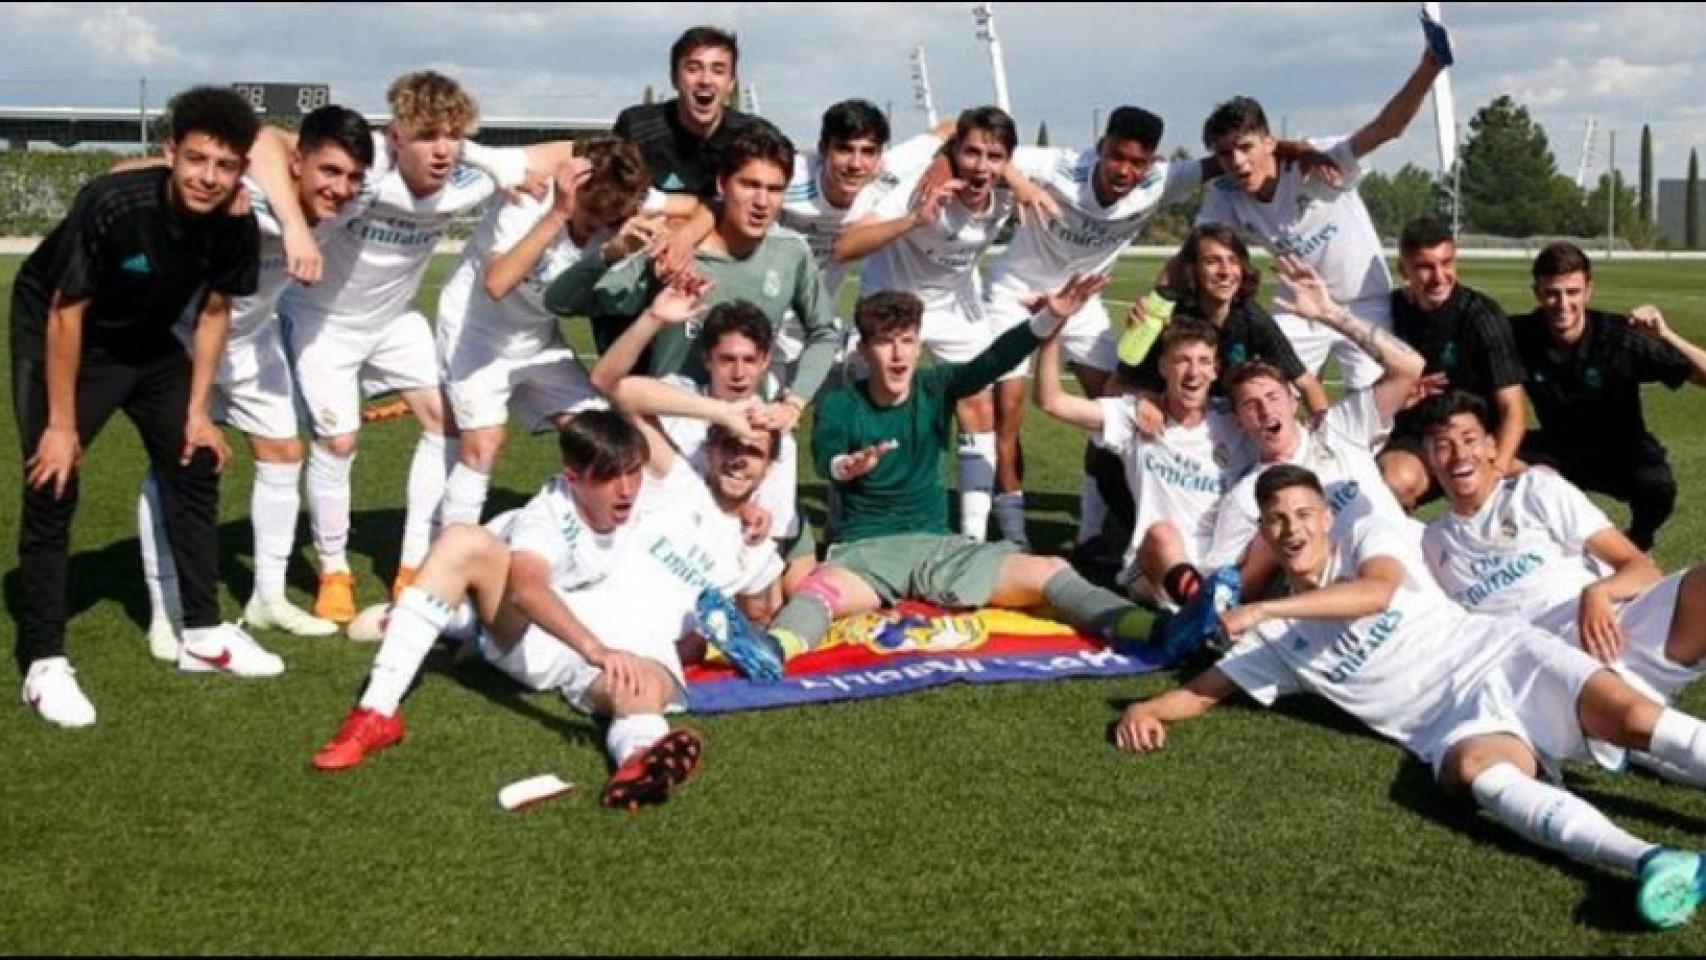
428, 100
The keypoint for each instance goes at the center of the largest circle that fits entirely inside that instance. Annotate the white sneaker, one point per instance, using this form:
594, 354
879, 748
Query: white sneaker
281, 614
164, 638
231, 650
50, 689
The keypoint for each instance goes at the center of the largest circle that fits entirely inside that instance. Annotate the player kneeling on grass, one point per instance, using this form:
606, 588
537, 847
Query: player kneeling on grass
882, 438
1487, 703
1180, 477
585, 590
1532, 546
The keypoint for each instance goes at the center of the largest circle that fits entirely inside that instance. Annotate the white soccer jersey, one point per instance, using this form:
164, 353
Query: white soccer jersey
1341, 454
778, 491
1087, 237
1327, 226
518, 326
671, 515
807, 211
1181, 477
374, 263
1397, 670
936, 261
1522, 554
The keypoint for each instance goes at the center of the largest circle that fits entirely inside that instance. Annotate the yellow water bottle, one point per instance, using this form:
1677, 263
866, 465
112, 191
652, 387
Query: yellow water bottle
1140, 336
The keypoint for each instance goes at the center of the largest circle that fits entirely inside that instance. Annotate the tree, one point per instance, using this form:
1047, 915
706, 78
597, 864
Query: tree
1510, 180
1691, 204
1393, 201
1629, 226
1042, 134
1646, 173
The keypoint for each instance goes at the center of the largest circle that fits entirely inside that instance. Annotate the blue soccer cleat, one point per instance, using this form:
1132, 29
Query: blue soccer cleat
723, 626
1439, 40
1672, 885
1198, 622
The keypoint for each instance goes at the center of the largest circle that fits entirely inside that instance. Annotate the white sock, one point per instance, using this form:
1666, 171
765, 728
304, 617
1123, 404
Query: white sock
1092, 509
1666, 770
273, 505
631, 734
977, 481
464, 495
425, 489
328, 507
1679, 742
159, 572
1557, 820
1010, 516
417, 619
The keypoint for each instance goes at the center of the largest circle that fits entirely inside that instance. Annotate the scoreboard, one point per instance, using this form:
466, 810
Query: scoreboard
284, 101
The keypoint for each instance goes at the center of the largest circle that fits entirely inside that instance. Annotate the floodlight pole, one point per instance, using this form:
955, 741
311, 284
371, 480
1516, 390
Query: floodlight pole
921, 86
984, 14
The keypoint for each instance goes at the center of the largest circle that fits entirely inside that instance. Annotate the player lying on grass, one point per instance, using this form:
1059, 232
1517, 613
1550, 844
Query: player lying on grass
1487, 703
1180, 477
586, 590
881, 439
1533, 547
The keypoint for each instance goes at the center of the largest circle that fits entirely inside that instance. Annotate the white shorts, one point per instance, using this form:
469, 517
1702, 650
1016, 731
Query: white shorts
1314, 341
253, 390
953, 336
539, 661
538, 388
1646, 624
1531, 693
1086, 340
336, 365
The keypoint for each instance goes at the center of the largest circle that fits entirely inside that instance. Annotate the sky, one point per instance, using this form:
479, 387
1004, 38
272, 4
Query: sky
1319, 68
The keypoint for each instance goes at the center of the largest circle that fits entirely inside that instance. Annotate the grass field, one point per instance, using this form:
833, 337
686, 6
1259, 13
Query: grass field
967, 820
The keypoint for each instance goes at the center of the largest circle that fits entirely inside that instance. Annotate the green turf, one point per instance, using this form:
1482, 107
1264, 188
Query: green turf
986, 820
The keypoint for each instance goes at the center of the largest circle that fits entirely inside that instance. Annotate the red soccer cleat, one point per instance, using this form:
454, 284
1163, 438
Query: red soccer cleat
648, 777
364, 732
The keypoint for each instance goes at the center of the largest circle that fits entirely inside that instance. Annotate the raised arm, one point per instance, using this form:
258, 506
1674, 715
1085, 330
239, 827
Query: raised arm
1649, 320
1389, 124
677, 303
269, 165
1054, 400
1309, 299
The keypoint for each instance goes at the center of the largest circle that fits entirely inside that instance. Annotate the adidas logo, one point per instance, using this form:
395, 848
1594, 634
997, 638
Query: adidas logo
137, 264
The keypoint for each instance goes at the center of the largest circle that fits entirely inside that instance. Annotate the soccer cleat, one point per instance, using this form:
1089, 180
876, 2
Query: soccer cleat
336, 599
164, 637
364, 732
51, 690
231, 650
723, 626
1198, 621
1673, 883
383, 410
405, 576
1439, 40
280, 614
648, 777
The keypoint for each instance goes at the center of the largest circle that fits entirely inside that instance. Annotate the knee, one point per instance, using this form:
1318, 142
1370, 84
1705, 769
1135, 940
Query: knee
653, 693
480, 450
278, 450
342, 445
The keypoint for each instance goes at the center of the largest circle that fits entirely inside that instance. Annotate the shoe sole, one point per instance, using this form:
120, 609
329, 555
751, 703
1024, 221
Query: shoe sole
366, 755
671, 763
1669, 900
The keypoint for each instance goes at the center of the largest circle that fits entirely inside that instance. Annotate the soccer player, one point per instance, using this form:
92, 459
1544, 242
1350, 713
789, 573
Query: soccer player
93, 312
1341, 449
1277, 208
1532, 546
1584, 373
254, 392
1486, 703
927, 243
1181, 476
355, 329
881, 440
585, 590
744, 258
498, 347
1465, 339
681, 138
734, 345
852, 151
